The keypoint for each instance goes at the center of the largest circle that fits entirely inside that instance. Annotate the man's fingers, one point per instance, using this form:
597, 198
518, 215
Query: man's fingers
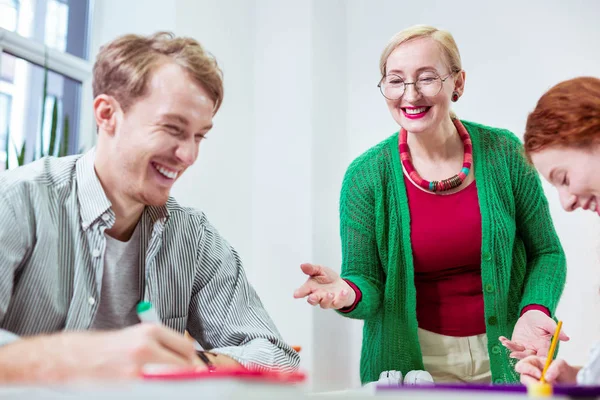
164, 356
173, 342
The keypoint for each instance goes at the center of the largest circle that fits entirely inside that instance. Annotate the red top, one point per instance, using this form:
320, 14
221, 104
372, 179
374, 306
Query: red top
446, 244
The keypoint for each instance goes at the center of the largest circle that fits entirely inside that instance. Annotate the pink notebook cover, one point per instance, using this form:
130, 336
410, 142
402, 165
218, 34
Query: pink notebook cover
237, 374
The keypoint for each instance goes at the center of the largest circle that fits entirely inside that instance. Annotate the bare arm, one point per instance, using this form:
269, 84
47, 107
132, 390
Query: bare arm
76, 356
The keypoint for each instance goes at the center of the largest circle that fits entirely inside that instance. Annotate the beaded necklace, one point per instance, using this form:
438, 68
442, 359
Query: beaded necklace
446, 184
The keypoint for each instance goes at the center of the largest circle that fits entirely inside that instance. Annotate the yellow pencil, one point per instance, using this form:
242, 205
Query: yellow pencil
551, 351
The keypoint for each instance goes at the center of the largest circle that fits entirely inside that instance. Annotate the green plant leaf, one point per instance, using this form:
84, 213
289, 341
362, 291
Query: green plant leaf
53, 127
21, 158
64, 145
20, 154
44, 95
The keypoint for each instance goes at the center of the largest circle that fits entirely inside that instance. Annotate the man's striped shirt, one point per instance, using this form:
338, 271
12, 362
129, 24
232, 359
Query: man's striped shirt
53, 214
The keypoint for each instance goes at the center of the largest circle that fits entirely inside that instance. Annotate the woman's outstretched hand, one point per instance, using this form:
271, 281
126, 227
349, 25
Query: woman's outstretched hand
325, 287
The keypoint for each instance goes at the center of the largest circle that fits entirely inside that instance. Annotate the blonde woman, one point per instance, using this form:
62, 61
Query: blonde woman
446, 235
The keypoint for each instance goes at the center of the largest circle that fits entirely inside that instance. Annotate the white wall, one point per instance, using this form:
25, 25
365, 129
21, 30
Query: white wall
281, 193
336, 339
301, 102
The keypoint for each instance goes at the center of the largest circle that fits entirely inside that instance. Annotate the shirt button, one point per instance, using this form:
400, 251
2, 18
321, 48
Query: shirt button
96, 253
492, 320
496, 349
105, 217
487, 256
92, 301
489, 288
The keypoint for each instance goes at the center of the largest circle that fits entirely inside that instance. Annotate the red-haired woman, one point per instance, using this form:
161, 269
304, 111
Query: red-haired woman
562, 139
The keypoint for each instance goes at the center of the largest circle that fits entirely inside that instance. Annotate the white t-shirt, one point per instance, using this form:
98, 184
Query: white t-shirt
590, 373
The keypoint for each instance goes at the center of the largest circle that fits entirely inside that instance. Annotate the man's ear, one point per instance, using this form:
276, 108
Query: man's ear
106, 110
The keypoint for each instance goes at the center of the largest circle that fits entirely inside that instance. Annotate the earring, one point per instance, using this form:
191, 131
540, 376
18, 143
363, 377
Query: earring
455, 96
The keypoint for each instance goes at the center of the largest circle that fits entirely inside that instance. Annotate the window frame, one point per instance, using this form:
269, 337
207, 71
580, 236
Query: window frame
8, 98
63, 63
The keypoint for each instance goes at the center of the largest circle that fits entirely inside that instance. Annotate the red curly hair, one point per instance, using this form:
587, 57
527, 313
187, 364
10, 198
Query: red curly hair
566, 115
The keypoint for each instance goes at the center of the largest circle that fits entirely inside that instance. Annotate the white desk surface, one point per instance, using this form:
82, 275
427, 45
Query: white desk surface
231, 390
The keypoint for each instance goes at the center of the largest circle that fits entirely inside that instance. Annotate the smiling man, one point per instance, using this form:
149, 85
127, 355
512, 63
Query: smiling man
83, 239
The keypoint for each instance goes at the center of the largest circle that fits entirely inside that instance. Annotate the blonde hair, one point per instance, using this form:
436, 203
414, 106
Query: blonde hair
124, 66
443, 38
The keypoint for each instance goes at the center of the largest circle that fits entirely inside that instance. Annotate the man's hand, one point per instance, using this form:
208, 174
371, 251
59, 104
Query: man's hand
221, 361
94, 355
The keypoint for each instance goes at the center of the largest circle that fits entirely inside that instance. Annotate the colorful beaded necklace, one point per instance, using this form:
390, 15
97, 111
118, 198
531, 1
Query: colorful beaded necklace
446, 184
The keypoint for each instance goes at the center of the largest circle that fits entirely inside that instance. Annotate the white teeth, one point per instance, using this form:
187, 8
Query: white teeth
416, 110
593, 206
166, 172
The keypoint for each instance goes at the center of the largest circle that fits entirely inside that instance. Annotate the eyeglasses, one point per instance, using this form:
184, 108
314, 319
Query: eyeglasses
393, 87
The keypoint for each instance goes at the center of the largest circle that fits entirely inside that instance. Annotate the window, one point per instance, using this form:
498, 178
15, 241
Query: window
43, 68
9, 14
56, 25
5, 103
59, 24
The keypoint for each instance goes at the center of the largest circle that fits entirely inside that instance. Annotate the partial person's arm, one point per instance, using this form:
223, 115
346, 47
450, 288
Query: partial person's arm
101, 356
226, 315
361, 267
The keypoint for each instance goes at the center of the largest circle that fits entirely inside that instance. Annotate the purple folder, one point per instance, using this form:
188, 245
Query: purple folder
563, 390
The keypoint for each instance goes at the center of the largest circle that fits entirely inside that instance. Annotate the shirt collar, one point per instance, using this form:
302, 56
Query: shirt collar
93, 202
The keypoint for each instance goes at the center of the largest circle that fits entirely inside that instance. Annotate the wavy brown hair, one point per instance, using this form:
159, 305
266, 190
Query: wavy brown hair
567, 115
124, 66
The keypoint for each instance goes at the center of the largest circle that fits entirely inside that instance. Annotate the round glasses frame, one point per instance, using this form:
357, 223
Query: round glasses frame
380, 85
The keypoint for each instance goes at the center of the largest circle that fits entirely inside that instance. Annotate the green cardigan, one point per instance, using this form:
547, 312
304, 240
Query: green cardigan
522, 261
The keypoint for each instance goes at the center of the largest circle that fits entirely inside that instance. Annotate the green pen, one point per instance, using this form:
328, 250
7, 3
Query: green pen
147, 313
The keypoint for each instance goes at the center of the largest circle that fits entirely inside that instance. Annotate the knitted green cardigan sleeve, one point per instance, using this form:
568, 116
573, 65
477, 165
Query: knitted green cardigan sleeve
546, 262
360, 261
